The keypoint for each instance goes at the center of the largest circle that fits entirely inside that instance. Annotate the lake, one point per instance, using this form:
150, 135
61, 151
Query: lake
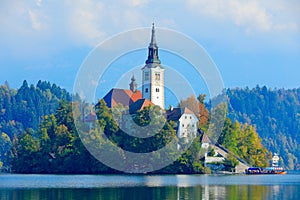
81, 187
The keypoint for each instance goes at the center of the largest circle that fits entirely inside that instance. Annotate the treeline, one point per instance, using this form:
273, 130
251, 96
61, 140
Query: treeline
52, 144
276, 115
56, 147
24, 109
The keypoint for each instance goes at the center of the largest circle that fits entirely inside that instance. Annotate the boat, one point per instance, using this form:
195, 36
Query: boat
267, 170
254, 170
274, 169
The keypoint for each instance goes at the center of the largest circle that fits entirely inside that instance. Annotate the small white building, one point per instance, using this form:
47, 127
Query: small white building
205, 141
187, 122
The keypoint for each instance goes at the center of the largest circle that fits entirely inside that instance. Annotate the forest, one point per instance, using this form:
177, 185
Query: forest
275, 113
50, 143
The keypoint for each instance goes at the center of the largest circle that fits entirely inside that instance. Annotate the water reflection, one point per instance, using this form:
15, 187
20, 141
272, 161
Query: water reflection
169, 187
170, 193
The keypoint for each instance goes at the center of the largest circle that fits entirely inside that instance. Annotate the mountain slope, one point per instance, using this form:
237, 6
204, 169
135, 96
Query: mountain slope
276, 115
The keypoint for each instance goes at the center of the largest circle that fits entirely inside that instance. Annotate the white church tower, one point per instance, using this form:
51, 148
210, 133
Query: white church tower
153, 75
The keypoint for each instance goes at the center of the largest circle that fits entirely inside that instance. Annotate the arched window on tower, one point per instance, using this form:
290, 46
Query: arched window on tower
157, 76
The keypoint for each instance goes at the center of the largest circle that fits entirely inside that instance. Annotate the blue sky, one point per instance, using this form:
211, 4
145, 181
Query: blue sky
252, 42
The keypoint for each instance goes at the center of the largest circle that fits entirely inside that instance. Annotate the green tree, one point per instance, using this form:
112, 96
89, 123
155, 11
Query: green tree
243, 141
231, 162
197, 106
5, 145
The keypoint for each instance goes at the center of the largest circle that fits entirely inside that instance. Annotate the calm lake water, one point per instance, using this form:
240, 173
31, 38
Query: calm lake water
15, 186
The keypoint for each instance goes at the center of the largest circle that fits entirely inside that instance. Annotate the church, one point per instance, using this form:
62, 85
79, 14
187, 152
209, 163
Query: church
153, 94
152, 82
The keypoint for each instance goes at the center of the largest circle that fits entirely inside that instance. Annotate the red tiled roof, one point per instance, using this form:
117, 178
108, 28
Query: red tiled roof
187, 111
121, 96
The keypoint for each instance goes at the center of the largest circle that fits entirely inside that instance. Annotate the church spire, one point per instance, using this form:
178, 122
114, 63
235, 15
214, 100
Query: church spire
153, 49
153, 38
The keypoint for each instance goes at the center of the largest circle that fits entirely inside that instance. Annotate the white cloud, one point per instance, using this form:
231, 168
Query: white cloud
84, 21
92, 21
138, 2
38, 2
254, 15
35, 21
48, 26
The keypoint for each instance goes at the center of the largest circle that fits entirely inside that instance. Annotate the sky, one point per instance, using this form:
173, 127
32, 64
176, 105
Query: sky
251, 42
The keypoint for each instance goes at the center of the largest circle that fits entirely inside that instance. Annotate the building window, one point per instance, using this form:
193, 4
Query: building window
157, 89
182, 125
146, 90
146, 76
190, 117
157, 76
185, 117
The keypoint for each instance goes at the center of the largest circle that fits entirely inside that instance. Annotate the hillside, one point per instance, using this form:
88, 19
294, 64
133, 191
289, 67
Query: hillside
276, 115
273, 114
23, 109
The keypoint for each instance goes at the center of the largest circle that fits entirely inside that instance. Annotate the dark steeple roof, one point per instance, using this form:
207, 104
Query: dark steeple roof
153, 49
139, 105
174, 114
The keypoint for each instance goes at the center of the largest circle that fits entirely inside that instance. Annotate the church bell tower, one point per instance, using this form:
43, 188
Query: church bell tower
153, 75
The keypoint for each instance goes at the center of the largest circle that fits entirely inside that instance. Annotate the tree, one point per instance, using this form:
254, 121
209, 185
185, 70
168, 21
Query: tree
197, 106
5, 145
211, 152
243, 141
231, 162
201, 98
